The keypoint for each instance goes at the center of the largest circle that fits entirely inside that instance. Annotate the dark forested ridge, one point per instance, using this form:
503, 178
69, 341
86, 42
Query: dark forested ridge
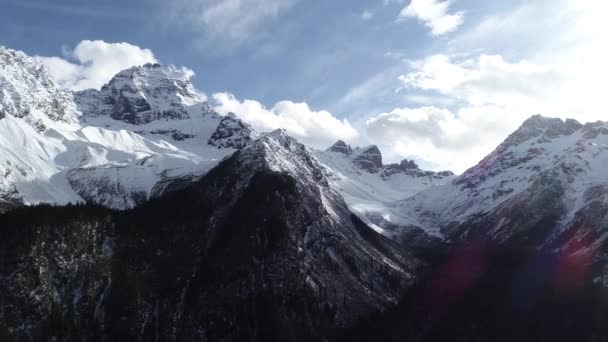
244, 254
538, 285
84, 271
220, 260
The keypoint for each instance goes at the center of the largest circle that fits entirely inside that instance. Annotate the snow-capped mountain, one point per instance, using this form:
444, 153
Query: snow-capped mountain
143, 133
110, 146
371, 188
548, 170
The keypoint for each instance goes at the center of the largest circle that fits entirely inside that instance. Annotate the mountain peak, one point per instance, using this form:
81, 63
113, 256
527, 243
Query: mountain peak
341, 147
232, 133
280, 152
142, 94
544, 122
409, 165
369, 158
151, 72
539, 126
279, 135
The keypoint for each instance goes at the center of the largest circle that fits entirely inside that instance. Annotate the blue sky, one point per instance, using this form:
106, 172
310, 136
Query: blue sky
314, 51
427, 79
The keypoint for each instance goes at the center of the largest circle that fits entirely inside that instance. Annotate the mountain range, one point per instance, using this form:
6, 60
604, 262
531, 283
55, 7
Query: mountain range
137, 211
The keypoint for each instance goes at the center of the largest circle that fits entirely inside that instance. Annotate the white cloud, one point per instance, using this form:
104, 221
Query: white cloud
438, 138
367, 15
434, 14
93, 63
487, 80
492, 97
566, 34
227, 24
318, 129
96, 62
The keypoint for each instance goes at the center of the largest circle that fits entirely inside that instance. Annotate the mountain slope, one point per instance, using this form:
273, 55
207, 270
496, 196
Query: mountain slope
546, 181
371, 188
261, 248
524, 254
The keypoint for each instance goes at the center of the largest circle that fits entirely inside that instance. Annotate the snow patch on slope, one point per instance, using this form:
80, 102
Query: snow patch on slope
372, 189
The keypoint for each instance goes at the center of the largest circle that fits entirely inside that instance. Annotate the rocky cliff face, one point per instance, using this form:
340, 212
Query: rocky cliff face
232, 133
372, 189
29, 92
341, 147
369, 159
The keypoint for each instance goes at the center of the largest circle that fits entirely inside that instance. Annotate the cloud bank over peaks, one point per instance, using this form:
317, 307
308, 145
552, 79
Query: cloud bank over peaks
490, 98
92, 63
318, 129
438, 138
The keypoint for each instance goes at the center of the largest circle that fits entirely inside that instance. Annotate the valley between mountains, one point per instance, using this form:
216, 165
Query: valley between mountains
138, 212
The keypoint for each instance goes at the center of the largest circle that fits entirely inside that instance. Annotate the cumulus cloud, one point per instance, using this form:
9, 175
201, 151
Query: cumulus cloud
558, 71
557, 64
434, 14
486, 80
490, 98
438, 138
92, 63
318, 129
487, 96
227, 24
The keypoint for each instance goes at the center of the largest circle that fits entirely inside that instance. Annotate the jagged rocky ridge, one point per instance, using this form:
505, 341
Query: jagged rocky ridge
231, 133
261, 248
370, 159
373, 189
